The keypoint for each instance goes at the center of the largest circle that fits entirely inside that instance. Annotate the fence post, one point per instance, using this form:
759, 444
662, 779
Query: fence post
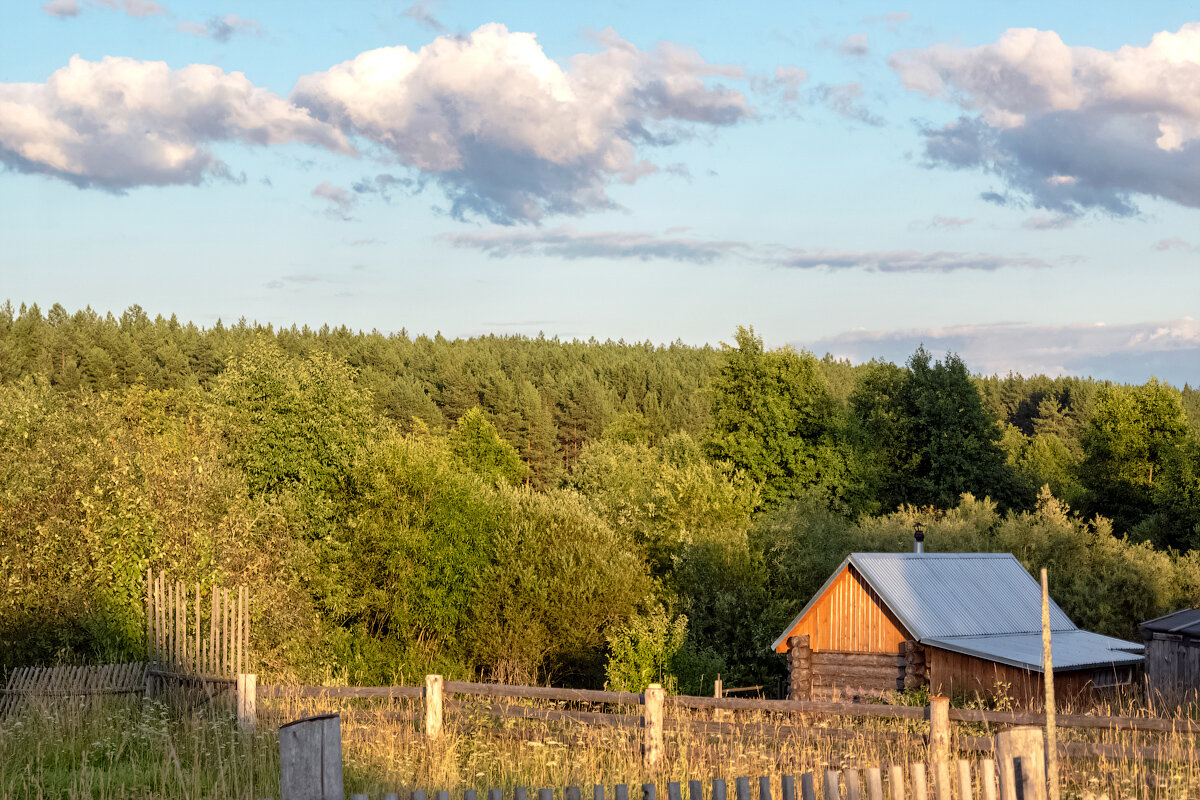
939, 730
1048, 680
433, 706
247, 701
652, 722
1022, 755
310, 759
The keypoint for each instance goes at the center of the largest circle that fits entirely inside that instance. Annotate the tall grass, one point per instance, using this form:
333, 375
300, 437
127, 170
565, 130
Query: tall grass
182, 749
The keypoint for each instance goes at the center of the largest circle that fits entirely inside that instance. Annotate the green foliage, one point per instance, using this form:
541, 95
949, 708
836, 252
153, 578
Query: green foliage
503, 506
1132, 433
665, 497
643, 649
475, 443
928, 433
774, 420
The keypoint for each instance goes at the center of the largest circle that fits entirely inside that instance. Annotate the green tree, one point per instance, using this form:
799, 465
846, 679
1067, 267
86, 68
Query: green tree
1132, 433
774, 420
928, 433
476, 444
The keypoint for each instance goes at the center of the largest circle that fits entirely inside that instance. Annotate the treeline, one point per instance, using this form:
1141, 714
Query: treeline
530, 509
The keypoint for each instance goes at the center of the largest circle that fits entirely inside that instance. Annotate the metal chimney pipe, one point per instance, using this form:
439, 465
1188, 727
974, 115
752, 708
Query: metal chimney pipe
919, 538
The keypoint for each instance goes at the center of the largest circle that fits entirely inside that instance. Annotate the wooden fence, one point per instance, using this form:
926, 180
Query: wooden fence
57, 683
793, 718
967, 780
188, 637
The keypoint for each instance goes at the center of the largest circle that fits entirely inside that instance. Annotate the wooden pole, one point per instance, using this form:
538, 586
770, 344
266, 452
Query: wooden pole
832, 785
433, 706
896, 780
987, 776
149, 617
874, 784
247, 702
652, 723
1048, 679
212, 631
939, 731
196, 655
919, 786
1021, 752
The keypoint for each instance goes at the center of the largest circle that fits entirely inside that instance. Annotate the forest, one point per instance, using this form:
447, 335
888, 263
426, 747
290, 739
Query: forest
533, 510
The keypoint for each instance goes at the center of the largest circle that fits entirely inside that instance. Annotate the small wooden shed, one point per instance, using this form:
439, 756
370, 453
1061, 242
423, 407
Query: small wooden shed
952, 622
1173, 656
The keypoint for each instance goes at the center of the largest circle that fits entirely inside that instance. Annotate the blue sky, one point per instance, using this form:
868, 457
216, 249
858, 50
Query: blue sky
1014, 182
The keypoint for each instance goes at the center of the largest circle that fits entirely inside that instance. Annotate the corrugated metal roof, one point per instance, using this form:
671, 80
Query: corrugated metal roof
1185, 622
981, 604
958, 594
1069, 650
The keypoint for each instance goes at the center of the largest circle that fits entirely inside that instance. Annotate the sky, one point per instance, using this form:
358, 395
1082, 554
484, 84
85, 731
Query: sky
1017, 182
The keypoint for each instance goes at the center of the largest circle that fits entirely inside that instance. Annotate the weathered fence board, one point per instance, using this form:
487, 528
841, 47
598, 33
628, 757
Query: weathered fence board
66, 682
175, 623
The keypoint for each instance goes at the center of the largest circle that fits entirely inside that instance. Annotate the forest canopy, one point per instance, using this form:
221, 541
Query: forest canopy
529, 509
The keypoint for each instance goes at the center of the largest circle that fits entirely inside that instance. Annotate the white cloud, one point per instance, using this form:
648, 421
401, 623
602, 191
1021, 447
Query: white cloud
855, 45
1169, 349
341, 201
1069, 127
62, 8
566, 242
904, 261
1177, 244
420, 13
1056, 222
512, 135
844, 98
119, 123
222, 28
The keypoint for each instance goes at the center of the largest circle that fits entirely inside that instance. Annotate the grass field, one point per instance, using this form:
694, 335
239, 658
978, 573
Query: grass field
141, 748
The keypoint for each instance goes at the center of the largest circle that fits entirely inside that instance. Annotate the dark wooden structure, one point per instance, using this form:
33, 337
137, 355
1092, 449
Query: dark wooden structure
1173, 656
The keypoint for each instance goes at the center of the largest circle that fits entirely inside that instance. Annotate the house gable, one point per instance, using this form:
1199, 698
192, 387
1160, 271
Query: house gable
847, 614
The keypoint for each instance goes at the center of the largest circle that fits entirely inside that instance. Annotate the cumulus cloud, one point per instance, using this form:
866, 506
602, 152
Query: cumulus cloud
1069, 128
844, 99
341, 201
566, 242
222, 28
1133, 352
904, 261
855, 45
62, 8
510, 134
119, 123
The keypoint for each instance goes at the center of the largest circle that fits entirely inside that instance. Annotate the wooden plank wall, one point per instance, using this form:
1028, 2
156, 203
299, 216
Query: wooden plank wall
1173, 668
951, 672
850, 617
188, 636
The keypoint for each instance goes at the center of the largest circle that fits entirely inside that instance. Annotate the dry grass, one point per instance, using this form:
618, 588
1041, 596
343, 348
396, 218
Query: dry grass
160, 749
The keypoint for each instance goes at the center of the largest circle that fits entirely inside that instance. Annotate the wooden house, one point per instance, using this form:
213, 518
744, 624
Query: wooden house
1173, 656
952, 622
